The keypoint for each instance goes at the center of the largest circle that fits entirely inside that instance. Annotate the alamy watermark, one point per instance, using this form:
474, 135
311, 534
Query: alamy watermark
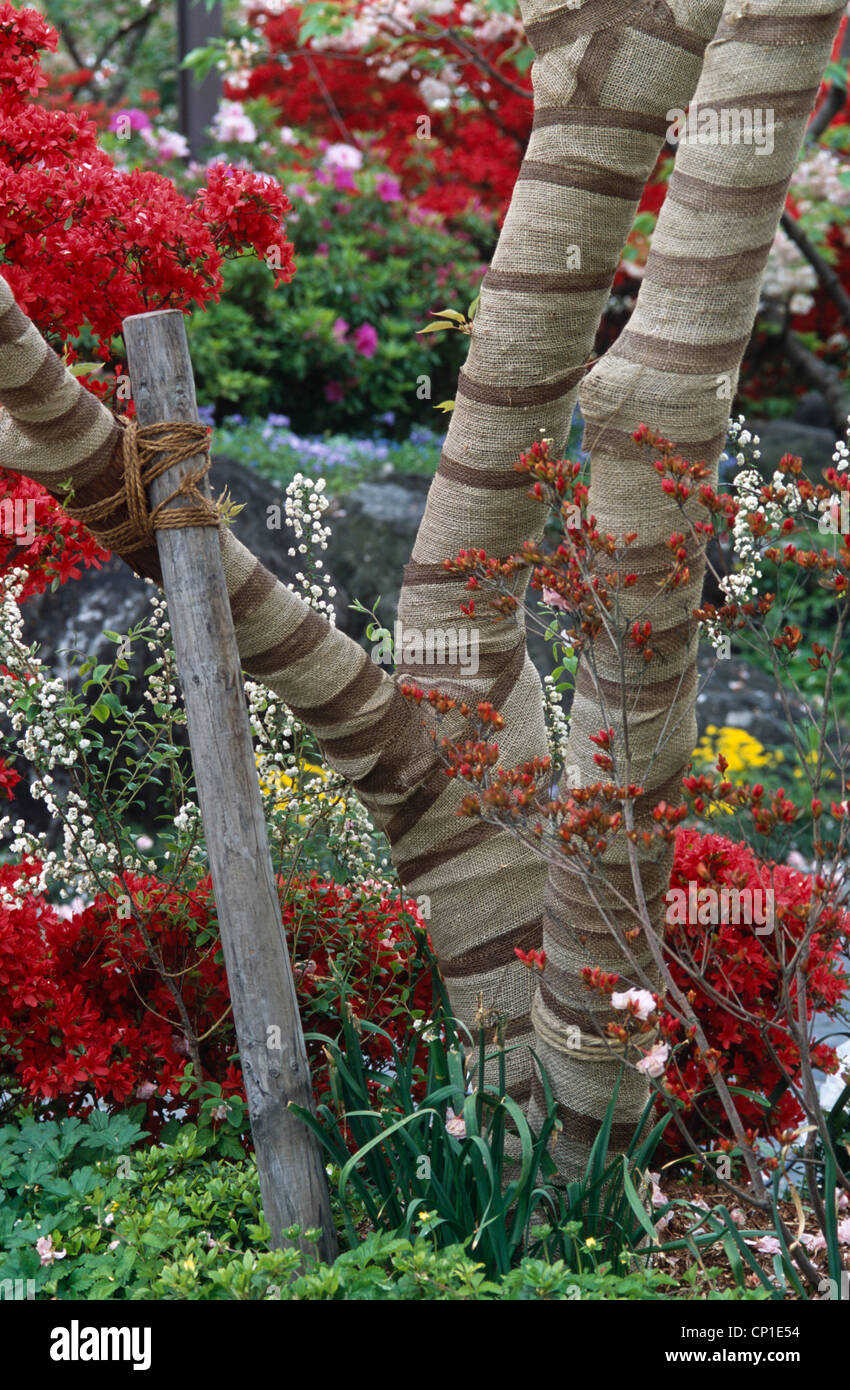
725, 125
17, 519
436, 646
710, 907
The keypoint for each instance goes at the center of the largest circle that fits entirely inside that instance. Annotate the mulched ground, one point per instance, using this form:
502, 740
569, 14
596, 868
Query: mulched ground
678, 1262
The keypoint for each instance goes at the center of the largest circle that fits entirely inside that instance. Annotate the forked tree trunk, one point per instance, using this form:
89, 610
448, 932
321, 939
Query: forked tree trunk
606, 78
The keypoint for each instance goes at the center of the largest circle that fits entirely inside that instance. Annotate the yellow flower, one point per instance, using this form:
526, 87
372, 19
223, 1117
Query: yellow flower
287, 786
739, 748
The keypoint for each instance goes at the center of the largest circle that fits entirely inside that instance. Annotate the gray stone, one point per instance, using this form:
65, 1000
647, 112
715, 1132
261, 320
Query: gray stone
812, 443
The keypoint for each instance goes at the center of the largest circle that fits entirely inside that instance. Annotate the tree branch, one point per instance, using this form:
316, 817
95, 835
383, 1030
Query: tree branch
823, 270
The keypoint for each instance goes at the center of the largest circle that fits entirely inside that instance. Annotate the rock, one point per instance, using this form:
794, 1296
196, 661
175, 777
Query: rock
812, 443
738, 694
374, 527
812, 409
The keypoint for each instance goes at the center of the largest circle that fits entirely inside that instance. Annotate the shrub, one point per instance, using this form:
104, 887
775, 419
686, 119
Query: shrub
88, 1213
741, 967
88, 1016
338, 348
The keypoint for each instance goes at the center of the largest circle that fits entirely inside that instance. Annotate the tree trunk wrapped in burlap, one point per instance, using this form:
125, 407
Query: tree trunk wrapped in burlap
606, 77
674, 367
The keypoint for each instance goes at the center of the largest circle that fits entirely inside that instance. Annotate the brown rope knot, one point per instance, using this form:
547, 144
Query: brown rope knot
147, 452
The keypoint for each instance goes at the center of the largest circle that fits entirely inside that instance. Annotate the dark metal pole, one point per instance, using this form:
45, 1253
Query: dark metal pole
198, 101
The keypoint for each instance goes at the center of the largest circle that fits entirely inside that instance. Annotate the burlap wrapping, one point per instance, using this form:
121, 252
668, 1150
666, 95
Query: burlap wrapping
674, 367
606, 76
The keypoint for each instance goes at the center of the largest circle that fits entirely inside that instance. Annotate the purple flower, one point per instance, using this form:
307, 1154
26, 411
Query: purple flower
279, 421
129, 118
366, 339
388, 189
334, 392
344, 180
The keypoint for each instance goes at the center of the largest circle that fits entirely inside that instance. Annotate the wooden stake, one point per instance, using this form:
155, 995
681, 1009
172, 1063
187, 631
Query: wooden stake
268, 1027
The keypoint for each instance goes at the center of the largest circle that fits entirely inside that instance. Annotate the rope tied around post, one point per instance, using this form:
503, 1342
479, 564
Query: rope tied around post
147, 452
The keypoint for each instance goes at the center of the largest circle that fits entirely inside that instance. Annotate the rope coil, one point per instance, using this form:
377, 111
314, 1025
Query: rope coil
148, 451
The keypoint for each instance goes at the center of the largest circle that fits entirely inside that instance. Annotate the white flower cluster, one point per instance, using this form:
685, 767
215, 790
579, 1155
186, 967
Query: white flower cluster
740, 586
818, 180
841, 457
305, 505
160, 688
490, 28
278, 744
49, 737
238, 58
788, 278
557, 724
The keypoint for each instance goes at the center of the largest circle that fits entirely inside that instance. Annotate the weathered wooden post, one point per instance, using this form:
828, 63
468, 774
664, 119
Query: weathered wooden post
271, 1044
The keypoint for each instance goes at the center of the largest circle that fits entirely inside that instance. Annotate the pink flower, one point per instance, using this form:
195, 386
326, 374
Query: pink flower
343, 157
334, 392
145, 1090
366, 340
844, 1231
388, 189
129, 118
339, 330
814, 1243
344, 181
455, 1124
44, 1246
643, 1001
655, 1061
554, 599
768, 1245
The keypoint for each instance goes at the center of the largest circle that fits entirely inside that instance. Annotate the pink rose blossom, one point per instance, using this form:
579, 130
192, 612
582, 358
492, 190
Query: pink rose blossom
366, 340
455, 1124
643, 1001
46, 1252
655, 1061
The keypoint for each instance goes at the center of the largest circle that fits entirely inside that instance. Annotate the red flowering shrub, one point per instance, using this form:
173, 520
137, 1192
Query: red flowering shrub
474, 150
742, 967
86, 1016
84, 244
59, 546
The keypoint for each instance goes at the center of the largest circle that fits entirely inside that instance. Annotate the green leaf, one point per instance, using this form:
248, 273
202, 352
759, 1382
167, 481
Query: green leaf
85, 368
636, 1204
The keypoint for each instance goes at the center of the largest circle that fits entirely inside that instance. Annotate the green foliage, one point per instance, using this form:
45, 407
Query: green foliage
361, 262
397, 1143
277, 453
177, 1221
